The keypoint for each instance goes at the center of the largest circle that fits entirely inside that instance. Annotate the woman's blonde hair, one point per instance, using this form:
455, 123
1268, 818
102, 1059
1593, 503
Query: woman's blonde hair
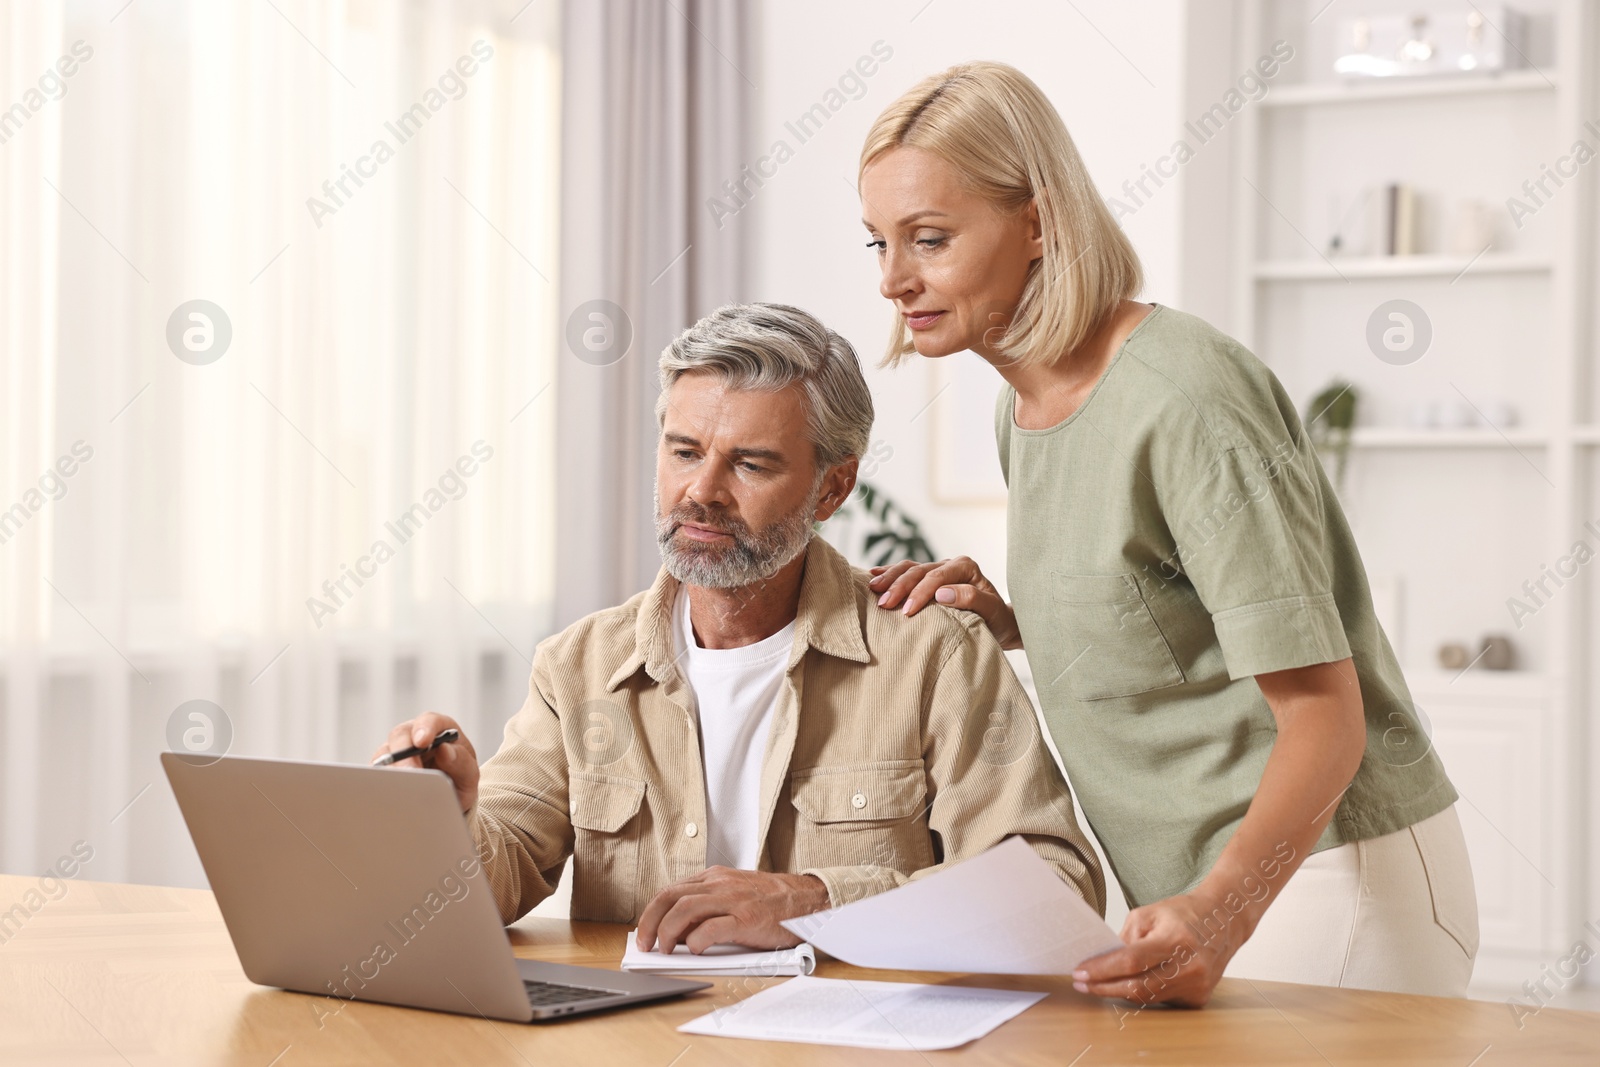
995, 126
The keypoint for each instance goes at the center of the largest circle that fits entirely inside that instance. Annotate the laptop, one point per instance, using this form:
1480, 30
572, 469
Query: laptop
362, 883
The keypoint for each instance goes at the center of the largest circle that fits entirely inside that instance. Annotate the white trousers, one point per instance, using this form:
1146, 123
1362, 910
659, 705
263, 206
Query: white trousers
1396, 913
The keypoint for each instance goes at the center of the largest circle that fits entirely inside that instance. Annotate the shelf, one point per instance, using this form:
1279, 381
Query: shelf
1435, 685
1586, 435
1364, 90
1294, 270
1485, 437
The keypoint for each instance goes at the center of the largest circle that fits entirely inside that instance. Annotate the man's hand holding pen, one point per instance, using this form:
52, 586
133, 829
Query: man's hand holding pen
435, 741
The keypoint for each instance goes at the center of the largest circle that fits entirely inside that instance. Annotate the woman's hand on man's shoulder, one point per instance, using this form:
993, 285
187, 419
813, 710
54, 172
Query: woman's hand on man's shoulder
957, 582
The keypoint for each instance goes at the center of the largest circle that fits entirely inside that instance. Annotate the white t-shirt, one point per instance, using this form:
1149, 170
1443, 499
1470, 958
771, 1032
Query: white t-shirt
735, 690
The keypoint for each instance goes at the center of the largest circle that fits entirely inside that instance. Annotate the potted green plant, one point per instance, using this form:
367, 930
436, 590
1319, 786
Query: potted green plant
1330, 421
890, 532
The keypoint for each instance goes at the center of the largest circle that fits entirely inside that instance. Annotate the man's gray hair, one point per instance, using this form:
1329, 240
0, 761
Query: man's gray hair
769, 347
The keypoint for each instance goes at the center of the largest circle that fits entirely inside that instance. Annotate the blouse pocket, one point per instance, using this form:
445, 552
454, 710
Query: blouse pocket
1121, 651
605, 850
866, 813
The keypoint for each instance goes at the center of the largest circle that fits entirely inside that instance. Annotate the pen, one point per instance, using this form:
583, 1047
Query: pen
406, 753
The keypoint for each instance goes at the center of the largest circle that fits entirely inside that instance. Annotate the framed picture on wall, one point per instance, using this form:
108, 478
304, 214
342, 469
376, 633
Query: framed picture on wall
965, 467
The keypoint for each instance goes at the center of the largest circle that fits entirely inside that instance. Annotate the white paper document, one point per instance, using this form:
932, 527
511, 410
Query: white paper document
721, 959
1005, 911
885, 1015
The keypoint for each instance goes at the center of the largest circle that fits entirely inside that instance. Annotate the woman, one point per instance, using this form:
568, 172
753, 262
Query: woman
1185, 585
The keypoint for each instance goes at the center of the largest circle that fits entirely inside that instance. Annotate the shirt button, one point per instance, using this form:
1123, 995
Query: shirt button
691, 830
858, 801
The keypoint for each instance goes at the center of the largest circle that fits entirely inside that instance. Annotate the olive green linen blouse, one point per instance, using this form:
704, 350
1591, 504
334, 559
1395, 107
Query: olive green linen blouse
1169, 540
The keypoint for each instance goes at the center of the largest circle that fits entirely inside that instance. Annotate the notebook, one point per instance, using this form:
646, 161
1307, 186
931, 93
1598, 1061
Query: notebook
721, 959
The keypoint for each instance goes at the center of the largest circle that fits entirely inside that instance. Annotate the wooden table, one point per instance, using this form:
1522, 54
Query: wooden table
126, 974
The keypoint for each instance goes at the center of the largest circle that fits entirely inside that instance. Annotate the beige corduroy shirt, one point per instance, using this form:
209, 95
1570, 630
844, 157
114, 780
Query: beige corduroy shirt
897, 746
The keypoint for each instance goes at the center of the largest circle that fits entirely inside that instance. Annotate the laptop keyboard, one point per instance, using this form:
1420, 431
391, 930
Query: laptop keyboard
543, 994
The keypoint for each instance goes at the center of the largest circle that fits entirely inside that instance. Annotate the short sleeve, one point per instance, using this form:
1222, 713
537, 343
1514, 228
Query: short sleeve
1252, 536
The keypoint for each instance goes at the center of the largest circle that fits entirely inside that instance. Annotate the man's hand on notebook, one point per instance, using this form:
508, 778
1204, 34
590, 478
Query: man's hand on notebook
723, 906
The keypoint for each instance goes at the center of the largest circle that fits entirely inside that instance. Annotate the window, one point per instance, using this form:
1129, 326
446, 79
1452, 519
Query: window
277, 344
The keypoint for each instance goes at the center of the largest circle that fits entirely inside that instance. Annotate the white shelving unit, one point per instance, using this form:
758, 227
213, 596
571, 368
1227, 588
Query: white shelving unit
1513, 323
1385, 437
1452, 267
1378, 89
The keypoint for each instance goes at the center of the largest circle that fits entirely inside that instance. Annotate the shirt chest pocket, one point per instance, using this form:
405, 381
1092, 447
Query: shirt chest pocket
864, 813
1119, 649
605, 850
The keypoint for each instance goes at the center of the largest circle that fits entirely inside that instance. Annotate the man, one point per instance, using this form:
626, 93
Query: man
750, 740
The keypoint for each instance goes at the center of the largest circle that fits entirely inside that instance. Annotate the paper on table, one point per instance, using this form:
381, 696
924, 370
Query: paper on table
886, 1015
721, 959
1005, 911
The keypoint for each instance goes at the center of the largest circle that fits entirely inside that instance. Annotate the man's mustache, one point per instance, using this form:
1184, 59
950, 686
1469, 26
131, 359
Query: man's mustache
700, 515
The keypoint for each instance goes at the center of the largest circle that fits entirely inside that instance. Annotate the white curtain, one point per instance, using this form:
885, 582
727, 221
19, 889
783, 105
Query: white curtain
368, 191
657, 121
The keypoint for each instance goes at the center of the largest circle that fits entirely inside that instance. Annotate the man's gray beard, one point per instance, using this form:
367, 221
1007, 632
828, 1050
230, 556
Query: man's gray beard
750, 559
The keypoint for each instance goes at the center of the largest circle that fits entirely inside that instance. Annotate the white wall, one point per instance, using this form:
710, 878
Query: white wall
1115, 72
1123, 110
